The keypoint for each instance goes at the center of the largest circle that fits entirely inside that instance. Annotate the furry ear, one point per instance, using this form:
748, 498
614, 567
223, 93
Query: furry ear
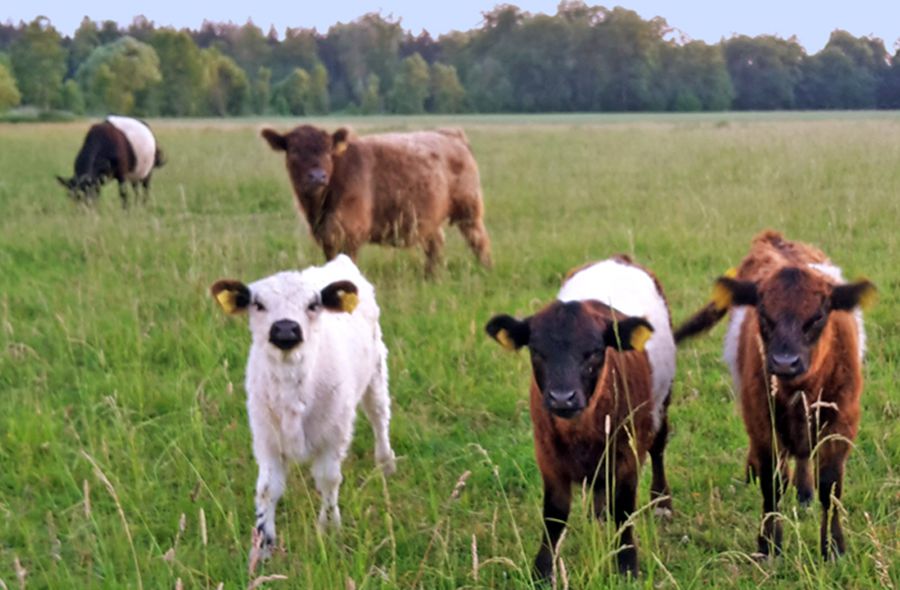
862, 293
512, 334
340, 139
232, 296
728, 291
276, 141
629, 334
340, 296
65, 182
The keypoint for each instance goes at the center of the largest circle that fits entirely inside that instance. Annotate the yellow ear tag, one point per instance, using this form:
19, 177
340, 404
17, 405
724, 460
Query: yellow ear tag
640, 336
226, 300
721, 296
340, 148
505, 341
349, 301
869, 297
731, 273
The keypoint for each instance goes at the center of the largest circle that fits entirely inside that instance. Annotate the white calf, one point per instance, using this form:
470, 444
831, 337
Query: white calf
317, 351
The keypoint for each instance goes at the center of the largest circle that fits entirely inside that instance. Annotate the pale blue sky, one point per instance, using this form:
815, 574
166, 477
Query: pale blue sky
812, 21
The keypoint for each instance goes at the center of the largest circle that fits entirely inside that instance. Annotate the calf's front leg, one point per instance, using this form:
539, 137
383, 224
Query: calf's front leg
269, 489
557, 501
326, 471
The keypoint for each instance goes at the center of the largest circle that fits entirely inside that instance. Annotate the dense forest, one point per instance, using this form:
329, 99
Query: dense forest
583, 58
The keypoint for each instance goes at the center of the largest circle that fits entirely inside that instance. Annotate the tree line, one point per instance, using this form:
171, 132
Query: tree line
583, 58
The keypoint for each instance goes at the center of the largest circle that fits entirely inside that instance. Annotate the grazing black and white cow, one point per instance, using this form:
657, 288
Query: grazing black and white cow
120, 147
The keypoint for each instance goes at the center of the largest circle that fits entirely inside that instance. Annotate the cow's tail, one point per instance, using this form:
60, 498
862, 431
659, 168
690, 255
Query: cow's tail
702, 321
159, 159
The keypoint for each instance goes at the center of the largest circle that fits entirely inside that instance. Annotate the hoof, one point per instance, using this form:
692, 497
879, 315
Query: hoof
387, 463
663, 513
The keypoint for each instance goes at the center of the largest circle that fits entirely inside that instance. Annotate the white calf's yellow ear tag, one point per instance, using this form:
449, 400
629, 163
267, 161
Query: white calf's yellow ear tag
639, 337
226, 300
348, 300
505, 341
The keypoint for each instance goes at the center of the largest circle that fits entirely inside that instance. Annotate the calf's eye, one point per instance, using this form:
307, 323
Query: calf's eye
259, 306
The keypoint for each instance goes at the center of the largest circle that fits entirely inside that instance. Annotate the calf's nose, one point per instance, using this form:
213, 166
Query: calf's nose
786, 364
285, 334
316, 176
562, 398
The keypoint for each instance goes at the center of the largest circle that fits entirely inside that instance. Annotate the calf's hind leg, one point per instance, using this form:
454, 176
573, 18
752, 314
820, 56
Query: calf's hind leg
476, 236
377, 406
434, 249
659, 486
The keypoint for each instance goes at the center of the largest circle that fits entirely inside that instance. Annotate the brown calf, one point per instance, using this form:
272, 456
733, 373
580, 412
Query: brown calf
395, 189
795, 345
595, 408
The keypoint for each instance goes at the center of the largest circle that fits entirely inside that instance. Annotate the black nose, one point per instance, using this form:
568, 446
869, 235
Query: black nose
285, 334
316, 176
562, 401
786, 364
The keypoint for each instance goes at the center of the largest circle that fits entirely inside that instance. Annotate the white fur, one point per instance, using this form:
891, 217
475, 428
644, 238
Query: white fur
835, 274
142, 143
732, 338
302, 403
633, 292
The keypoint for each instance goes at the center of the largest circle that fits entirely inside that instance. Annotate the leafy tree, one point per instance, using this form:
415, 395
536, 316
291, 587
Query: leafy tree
846, 74
889, 90
225, 84
695, 77
352, 51
319, 103
85, 40
411, 86
39, 63
114, 75
293, 93
9, 92
629, 50
371, 100
182, 68
298, 49
262, 90
249, 47
72, 98
448, 94
764, 70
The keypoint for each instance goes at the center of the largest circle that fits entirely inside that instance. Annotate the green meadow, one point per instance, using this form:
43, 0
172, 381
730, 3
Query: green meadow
125, 457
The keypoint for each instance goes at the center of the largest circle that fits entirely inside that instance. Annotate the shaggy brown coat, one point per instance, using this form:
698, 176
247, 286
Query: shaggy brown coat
813, 410
395, 189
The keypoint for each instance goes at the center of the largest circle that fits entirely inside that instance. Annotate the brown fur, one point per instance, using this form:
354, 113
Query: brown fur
572, 451
818, 407
395, 189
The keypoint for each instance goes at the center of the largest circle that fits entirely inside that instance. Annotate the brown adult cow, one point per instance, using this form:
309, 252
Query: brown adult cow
396, 189
795, 346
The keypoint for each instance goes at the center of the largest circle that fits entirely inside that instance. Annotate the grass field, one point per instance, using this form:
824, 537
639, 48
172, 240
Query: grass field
125, 457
